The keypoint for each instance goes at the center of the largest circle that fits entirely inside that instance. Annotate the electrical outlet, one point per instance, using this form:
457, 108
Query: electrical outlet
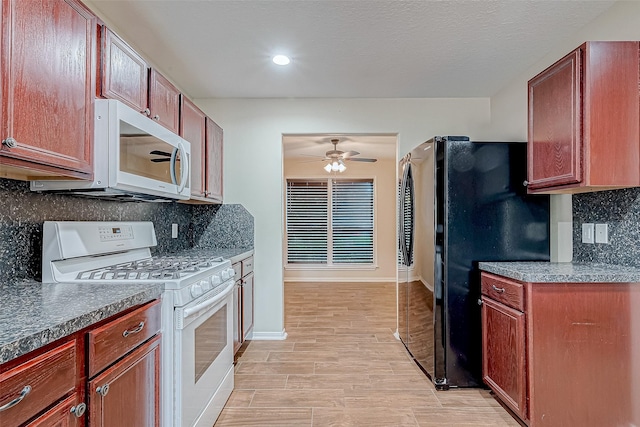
174, 231
588, 233
602, 233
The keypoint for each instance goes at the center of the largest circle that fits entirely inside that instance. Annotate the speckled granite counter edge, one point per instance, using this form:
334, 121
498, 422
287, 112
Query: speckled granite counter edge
549, 272
28, 343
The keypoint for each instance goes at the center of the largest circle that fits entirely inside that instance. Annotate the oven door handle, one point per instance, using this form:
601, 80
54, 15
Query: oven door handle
205, 304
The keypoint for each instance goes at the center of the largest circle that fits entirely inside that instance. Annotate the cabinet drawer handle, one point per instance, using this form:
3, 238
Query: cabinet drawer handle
156, 118
525, 183
10, 143
146, 112
26, 390
128, 332
79, 409
103, 390
497, 289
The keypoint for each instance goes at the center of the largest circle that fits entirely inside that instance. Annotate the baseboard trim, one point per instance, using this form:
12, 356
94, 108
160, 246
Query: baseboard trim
269, 336
342, 280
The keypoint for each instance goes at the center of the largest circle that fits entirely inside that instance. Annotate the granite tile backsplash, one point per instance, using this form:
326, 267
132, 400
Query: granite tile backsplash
620, 209
22, 213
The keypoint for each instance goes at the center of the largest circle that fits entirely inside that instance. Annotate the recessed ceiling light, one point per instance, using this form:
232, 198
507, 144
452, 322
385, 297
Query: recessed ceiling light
281, 60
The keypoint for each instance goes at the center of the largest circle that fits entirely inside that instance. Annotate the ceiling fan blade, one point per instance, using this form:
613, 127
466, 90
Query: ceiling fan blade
361, 159
348, 154
160, 153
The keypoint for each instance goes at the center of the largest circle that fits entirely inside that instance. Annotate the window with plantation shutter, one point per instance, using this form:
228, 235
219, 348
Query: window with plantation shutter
330, 222
307, 225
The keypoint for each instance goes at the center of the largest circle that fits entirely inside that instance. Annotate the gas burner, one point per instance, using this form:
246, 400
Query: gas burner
166, 267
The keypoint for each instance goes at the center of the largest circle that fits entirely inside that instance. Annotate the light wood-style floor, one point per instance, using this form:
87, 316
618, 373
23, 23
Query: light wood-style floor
342, 366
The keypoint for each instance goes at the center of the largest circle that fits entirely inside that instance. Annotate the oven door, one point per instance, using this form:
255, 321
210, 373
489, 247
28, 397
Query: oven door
203, 357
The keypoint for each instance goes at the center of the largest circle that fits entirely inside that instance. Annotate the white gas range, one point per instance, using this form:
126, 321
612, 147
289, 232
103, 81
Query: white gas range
197, 306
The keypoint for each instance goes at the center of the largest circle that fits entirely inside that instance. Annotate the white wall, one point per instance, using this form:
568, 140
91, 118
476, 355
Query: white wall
253, 130
383, 173
509, 106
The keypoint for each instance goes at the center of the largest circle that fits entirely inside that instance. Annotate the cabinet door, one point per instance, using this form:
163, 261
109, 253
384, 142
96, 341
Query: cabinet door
164, 101
124, 74
192, 128
555, 124
237, 318
503, 354
68, 413
128, 392
48, 76
214, 160
247, 305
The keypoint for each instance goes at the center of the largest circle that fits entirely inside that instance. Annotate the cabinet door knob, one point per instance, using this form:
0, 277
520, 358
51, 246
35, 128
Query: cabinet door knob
497, 289
156, 117
10, 143
103, 390
79, 409
479, 301
26, 390
146, 112
525, 183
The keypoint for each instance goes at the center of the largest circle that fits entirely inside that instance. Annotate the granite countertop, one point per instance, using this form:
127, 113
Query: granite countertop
570, 272
33, 314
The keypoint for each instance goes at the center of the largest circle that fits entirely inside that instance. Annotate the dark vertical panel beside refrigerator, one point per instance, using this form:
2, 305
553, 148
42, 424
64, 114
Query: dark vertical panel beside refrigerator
461, 202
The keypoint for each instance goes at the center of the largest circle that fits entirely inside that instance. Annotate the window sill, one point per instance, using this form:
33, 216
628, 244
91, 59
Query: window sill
350, 267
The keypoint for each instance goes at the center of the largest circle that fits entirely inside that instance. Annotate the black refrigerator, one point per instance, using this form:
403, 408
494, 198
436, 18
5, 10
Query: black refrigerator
460, 202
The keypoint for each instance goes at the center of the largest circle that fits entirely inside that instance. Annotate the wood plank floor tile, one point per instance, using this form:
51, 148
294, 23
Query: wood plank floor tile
303, 356
464, 398
360, 367
275, 368
390, 399
258, 381
240, 398
369, 417
463, 417
262, 417
345, 382
316, 398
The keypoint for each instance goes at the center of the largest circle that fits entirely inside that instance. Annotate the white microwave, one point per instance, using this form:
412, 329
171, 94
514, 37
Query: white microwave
134, 158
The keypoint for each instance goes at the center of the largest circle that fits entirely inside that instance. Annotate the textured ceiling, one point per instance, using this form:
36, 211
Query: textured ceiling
346, 48
313, 147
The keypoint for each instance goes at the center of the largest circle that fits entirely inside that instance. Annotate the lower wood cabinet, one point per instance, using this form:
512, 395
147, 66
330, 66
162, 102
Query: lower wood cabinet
243, 301
569, 355
81, 380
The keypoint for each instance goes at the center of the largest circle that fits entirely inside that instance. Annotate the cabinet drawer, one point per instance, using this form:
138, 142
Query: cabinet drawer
506, 291
247, 266
37, 383
110, 342
237, 269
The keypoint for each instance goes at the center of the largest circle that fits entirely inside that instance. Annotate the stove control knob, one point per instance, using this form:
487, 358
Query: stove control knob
225, 274
206, 285
215, 280
196, 290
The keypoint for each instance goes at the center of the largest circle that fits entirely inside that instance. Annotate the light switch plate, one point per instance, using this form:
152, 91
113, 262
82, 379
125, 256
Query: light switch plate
588, 231
602, 233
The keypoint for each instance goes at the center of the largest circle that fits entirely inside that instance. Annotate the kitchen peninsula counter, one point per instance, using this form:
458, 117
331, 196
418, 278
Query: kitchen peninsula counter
34, 314
570, 272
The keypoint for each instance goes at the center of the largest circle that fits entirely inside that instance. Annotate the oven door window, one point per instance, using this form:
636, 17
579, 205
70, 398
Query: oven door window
210, 340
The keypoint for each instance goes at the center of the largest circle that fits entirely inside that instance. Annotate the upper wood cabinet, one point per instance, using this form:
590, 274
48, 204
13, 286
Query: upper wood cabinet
584, 121
48, 84
192, 128
214, 161
126, 76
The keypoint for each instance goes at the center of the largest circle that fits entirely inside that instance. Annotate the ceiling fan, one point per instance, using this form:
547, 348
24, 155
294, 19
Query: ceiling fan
336, 158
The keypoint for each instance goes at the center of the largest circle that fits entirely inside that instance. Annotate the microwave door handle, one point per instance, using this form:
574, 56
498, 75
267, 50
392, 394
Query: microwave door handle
172, 166
184, 173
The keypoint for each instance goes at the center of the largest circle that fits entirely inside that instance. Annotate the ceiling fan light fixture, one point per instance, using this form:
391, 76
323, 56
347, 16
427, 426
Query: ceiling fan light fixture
341, 167
327, 167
